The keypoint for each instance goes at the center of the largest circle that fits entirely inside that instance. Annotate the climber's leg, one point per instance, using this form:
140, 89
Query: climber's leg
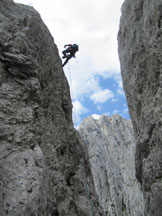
67, 59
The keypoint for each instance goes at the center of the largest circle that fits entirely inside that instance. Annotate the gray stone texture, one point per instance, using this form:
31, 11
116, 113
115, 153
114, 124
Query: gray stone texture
43, 166
140, 51
111, 150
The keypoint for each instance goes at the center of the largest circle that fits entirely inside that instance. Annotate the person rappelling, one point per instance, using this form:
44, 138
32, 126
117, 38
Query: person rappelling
69, 52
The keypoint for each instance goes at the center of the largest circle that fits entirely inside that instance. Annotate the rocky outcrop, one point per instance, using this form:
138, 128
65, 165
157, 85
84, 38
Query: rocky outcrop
43, 165
140, 51
111, 149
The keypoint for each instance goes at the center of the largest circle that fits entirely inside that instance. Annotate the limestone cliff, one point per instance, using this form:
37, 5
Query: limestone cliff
111, 150
140, 51
43, 168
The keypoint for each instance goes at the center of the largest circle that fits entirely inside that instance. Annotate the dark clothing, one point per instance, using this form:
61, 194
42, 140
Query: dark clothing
68, 53
68, 57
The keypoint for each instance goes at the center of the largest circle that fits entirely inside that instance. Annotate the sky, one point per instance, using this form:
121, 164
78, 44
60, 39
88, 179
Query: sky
94, 75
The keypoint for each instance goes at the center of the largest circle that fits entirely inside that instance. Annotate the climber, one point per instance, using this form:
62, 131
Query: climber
69, 52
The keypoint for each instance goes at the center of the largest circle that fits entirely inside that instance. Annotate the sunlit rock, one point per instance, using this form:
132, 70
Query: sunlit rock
111, 150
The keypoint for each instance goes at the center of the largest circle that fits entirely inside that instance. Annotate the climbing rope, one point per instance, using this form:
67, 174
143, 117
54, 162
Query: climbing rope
76, 60
72, 95
79, 150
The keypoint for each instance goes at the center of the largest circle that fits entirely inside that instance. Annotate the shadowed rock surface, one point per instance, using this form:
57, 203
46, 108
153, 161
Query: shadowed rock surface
111, 149
43, 166
140, 51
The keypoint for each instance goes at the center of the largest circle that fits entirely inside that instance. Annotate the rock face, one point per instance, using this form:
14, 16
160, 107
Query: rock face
43, 166
140, 51
111, 150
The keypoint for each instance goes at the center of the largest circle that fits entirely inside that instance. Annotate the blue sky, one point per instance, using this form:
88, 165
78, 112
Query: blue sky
94, 76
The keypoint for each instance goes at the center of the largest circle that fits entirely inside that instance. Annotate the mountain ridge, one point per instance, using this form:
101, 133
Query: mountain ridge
111, 149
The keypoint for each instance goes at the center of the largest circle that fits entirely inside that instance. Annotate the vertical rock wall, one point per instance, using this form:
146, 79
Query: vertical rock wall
111, 149
140, 51
43, 169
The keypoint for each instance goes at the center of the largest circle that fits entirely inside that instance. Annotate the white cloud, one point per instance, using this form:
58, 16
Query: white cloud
115, 112
125, 111
95, 116
82, 84
107, 114
120, 83
94, 26
102, 96
114, 100
26, 2
78, 110
120, 91
95, 31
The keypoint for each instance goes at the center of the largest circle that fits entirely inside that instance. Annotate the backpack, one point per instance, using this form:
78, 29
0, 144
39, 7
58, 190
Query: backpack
75, 47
